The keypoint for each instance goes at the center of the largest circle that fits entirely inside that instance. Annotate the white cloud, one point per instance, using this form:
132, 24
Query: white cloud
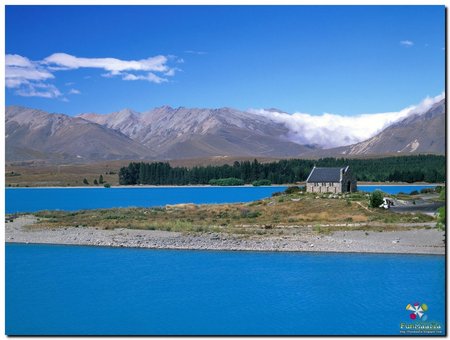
151, 77
24, 73
30, 78
407, 43
116, 67
170, 73
18, 61
74, 91
108, 75
113, 65
195, 52
21, 70
332, 130
38, 90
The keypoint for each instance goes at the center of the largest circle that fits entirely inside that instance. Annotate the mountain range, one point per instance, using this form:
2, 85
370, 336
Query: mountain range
166, 133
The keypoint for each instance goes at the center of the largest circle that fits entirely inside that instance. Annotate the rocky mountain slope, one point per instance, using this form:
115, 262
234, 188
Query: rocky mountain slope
175, 133
34, 134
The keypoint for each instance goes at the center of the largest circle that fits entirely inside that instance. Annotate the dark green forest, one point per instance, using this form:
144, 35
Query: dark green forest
428, 168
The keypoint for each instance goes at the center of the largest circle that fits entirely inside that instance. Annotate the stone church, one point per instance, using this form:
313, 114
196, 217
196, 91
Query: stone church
332, 180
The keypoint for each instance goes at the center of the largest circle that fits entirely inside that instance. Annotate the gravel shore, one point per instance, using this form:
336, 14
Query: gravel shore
415, 241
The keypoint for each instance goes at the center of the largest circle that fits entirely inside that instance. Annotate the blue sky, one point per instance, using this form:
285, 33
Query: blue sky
345, 60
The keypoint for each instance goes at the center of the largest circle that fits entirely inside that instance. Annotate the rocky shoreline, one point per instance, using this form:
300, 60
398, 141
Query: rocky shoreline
414, 241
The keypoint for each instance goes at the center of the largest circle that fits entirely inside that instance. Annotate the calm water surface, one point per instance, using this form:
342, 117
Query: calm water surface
394, 189
88, 290
35, 199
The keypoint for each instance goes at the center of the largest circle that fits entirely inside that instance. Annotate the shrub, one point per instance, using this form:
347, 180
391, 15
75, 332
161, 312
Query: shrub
85, 181
376, 199
292, 190
227, 181
261, 182
442, 194
441, 218
107, 185
245, 213
12, 174
414, 192
95, 182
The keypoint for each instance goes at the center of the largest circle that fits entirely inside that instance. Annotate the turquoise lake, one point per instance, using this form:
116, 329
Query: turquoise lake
69, 290
35, 199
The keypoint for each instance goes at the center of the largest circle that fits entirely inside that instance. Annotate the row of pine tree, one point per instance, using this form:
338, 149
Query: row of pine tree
428, 168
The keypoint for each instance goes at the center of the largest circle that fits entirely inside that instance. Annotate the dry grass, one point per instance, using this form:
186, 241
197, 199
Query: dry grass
270, 216
62, 175
34, 174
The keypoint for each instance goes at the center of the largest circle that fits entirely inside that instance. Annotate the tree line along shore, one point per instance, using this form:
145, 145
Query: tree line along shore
410, 169
393, 170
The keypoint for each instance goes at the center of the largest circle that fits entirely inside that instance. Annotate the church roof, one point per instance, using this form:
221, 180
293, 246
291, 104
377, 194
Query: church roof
325, 175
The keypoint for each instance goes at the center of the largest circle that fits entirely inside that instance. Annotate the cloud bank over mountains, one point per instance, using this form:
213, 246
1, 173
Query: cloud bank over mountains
332, 130
33, 78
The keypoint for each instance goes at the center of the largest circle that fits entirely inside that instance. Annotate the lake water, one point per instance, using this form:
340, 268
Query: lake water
35, 199
394, 189
69, 290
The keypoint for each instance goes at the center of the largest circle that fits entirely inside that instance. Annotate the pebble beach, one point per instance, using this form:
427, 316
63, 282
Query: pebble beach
414, 241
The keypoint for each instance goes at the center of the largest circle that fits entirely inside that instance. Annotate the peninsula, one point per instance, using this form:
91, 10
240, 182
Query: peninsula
289, 221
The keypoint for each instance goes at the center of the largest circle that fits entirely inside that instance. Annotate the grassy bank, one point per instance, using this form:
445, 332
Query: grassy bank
283, 214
